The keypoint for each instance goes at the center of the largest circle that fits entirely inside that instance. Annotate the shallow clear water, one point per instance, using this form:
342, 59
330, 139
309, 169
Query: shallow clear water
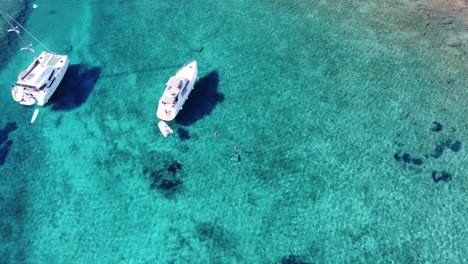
347, 119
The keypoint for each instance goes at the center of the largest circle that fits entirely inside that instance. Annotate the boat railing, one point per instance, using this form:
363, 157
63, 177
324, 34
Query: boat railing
25, 86
31, 67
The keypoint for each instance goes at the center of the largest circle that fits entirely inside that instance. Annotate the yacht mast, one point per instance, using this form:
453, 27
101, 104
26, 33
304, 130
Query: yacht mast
14, 28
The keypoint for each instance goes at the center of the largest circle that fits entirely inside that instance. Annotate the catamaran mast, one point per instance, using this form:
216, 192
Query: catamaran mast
14, 28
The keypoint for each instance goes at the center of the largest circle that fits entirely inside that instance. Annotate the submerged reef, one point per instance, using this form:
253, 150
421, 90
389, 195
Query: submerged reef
456, 146
437, 127
174, 167
167, 181
293, 259
444, 176
438, 151
216, 236
406, 158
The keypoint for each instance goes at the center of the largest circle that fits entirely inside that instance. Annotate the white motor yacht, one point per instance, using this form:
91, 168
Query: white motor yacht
178, 88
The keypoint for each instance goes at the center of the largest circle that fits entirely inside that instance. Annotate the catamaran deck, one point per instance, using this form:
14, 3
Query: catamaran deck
41, 69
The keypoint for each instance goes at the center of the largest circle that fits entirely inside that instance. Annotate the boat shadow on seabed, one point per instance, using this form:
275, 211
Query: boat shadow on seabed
76, 86
202, 100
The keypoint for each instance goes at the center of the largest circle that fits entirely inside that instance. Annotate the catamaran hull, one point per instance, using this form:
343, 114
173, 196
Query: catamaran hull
55, 84
30, 96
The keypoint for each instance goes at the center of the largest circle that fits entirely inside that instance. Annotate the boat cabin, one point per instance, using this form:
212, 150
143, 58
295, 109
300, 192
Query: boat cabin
173, 87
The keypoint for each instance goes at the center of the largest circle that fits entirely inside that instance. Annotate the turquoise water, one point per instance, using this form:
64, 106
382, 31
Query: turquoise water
349, 120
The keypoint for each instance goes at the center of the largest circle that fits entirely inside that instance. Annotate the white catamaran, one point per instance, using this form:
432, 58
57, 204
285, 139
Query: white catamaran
37, 83
177, 90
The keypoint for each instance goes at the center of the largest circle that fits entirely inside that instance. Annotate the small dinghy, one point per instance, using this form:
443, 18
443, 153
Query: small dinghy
164, 128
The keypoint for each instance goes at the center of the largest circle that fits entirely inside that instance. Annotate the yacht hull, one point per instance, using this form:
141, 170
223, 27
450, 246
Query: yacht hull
187, 76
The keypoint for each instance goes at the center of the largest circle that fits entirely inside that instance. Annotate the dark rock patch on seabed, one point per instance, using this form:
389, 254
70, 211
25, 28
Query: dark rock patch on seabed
174, 167
456, 146
437, 127
166, 181
216, 235
438, 151
209, 231
397, 156
440, 148
406, 158
417, 161
221, 243
444, 176
293, 259
167, 184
